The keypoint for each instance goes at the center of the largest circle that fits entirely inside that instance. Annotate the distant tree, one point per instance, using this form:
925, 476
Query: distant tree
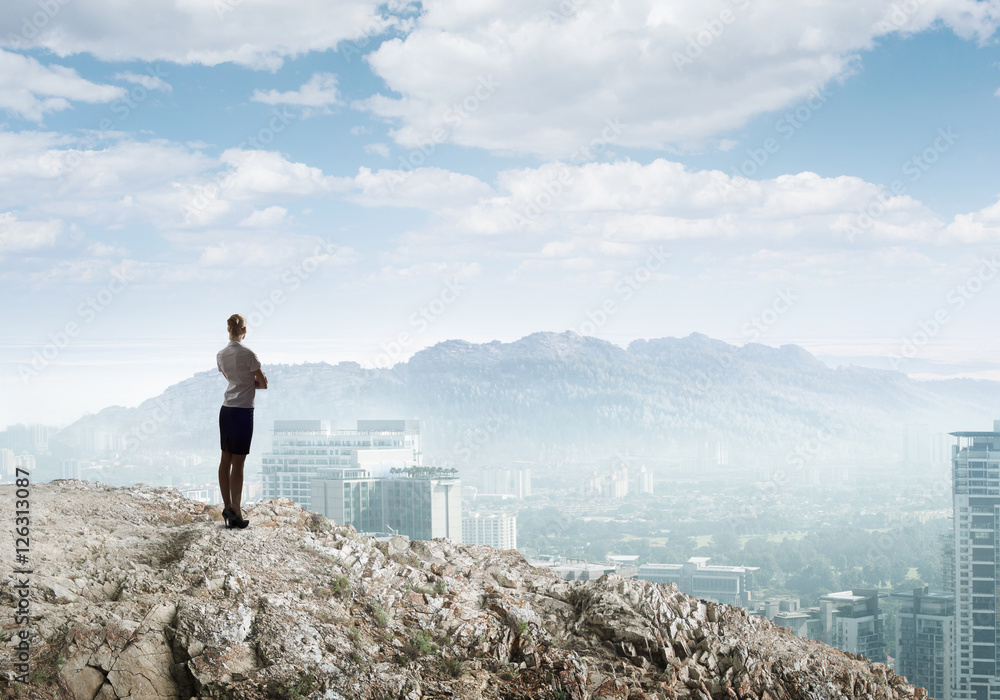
727, 544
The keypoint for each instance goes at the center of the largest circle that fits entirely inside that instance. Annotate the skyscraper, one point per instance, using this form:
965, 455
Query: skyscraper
497, 530
976, 495
300, 447
925, 640
422, 505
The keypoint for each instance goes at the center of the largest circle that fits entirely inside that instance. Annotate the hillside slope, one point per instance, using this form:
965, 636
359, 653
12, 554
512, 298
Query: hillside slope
142, 593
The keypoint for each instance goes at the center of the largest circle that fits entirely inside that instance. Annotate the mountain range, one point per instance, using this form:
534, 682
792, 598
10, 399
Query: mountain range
556, 396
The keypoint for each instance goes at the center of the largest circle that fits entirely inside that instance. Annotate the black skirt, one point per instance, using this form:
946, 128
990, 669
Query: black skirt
236, 429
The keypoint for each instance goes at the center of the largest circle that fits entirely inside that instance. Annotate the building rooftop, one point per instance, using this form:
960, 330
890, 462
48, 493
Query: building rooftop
931, 595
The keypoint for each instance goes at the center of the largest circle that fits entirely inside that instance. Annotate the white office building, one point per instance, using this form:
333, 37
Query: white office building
421, 505
852, 621
497, 530
723, 584
300, 447
643, 481
6, 463
508, 481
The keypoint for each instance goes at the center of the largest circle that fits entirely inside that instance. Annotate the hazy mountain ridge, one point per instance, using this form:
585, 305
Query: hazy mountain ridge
552, 392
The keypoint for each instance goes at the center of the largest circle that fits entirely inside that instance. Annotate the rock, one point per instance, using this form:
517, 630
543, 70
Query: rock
165, 603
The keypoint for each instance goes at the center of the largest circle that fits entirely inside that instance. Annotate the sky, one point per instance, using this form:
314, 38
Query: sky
363, 180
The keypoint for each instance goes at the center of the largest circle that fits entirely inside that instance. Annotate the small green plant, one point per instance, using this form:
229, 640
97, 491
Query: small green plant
340, 586
381, 616
422, 643
522, 626
292, 690
453, 667
355, 633
440, 587
319, 523
46, 669
509, 672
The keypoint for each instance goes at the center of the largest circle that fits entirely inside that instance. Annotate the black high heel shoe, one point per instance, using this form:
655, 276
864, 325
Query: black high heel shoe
239, 522
228, 516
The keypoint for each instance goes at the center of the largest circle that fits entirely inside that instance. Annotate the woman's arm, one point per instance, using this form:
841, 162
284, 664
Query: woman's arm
259, 379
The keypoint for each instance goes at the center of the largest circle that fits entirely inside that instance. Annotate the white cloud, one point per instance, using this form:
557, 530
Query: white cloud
381, 149
983, 225
266, 172
107, 182
432, 189
247, 180
266, 218
19, 236
569, 216
114, 181
273, 256
255, 33
147, 80
434, 270
316, 95
543, 77
31, 90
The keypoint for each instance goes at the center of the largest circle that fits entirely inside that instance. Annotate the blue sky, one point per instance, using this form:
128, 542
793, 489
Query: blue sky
364, 180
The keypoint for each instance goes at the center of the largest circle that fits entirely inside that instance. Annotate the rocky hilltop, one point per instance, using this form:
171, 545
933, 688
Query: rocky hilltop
141, 593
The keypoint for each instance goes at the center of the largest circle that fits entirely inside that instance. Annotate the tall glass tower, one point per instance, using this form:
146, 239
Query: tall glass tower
976, 495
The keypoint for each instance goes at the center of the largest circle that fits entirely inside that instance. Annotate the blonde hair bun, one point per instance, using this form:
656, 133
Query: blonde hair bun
237, 326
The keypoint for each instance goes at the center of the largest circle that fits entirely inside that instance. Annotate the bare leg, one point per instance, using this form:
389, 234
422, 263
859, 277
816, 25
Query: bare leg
236, 484
227, 460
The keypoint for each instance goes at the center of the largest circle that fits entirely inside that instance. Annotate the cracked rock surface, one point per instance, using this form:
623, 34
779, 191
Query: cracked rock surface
141, 593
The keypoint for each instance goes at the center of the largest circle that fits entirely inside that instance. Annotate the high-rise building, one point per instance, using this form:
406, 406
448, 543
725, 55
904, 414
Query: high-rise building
925, 639
69, 468
300, 447
643, 481
591, 485
617, 483
848, 620
508, 481
976, 496
27, 438
851, 621
6, 463
420, 506
497, 530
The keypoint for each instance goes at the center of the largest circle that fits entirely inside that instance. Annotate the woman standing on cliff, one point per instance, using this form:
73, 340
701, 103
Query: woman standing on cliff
238, 364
